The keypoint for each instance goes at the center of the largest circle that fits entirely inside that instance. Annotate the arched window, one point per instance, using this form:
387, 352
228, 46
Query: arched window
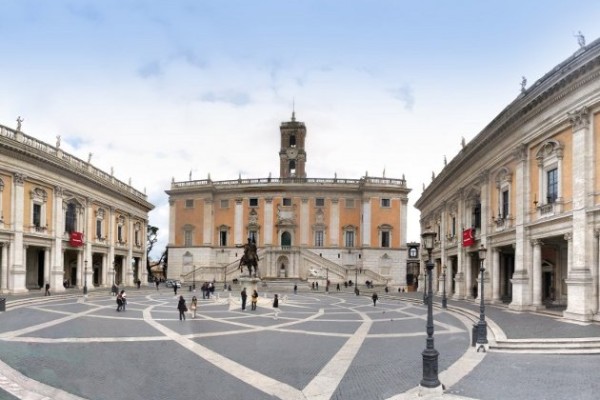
71, 218
286, 239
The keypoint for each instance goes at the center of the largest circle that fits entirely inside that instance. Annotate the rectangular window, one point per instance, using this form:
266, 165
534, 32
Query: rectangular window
453, 226
187, 238
37, 215
385, 203
349, 238
477, 216
505, 204
287, 201
253, 202
137, 238
349, 203
385, 239
320, 202
224, 203
223, 238
253, 235
98, 228
552, 193
189, 203
319, 238
120, 233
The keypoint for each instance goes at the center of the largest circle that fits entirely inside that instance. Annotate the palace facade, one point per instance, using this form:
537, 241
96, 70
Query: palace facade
65, 222
527, 189
305, 228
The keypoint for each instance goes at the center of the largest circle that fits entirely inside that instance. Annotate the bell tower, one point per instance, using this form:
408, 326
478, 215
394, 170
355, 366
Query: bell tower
292, 154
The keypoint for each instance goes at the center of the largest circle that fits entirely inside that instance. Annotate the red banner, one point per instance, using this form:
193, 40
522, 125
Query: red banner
468, 237
76, 239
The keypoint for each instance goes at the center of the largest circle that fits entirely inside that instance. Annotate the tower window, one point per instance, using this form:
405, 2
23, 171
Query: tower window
253, 202
293, 141
292, 167
189, 203
320, 202
385, 203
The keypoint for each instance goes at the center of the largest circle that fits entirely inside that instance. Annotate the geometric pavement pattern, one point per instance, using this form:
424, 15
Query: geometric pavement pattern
315, 346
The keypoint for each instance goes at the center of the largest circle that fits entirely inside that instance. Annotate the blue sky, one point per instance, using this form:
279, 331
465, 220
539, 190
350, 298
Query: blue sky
156, 89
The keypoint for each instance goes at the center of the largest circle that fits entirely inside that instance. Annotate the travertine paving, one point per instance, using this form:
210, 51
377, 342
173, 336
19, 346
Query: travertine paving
317, 346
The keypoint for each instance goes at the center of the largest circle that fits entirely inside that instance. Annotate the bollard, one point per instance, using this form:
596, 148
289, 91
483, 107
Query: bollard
2, 304
474, 335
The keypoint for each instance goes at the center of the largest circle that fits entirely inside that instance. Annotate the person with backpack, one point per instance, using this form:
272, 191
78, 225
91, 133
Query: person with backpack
119, 302
182, 308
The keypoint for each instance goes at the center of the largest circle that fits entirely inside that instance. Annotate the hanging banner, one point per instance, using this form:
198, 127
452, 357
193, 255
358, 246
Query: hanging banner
76, 239
468, 237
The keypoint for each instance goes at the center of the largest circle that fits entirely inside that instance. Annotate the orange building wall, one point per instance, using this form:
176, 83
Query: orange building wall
389, 216
350, 216
7, 198
596, 139
224, 216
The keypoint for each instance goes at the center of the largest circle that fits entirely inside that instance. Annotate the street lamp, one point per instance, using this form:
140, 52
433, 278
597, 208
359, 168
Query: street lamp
356, 281
85, 279
444, 300
194, 278
482, 325
430, 354
327, 280
114, 272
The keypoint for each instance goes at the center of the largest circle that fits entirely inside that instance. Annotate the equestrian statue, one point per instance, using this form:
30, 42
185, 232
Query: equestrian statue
250, 258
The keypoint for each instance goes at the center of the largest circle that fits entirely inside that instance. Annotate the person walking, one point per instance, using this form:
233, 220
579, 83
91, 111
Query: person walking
119, 302
244, 297
47, 292
123, 299
193, 306
295, 289
157, 282
374, 297
276, 305
254, 300
182, 308
175, 288
337, 287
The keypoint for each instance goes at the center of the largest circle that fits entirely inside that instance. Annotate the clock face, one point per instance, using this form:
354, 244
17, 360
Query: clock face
292, 153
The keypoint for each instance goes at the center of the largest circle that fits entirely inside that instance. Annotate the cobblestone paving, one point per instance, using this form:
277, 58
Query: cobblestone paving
318, 346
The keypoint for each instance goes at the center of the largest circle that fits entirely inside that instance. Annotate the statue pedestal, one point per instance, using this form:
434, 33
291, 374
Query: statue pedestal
250, 283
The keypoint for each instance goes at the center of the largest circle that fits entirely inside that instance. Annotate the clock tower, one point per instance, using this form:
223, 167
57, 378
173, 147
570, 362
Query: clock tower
292, 154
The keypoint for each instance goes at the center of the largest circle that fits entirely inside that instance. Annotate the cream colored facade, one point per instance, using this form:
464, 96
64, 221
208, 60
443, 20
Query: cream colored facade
305, 228
529, 185
46, 195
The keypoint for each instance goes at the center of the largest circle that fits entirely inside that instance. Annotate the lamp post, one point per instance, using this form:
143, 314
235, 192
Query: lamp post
356, 281
482, 325
114, 271
425, 285
85, 279
327, 280
430, 354
444, 300
194, 278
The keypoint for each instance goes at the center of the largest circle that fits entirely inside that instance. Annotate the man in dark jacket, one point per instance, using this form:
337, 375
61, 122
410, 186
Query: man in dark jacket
244, 297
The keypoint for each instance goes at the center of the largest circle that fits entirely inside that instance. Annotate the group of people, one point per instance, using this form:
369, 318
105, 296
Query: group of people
121, 301
254, 300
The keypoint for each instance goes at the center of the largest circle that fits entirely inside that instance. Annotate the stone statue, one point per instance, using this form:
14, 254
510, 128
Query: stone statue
580, 39
445, 161
112, 171
19, 122
90, 157
462, 142
58, 141
190, 175
523, 84
250, 257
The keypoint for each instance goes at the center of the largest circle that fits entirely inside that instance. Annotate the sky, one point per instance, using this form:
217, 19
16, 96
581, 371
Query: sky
157, 90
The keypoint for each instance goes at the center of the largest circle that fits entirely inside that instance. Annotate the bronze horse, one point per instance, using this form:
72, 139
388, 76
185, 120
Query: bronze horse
250, 259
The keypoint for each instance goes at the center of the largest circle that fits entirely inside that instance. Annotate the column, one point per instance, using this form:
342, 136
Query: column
469, 275
460, 290
520, 278
17, 275
268, 221
579, 280
58, 225
207, 227
304, 222
495, 270
4, 248
238, 222
130, 260
334, 223
172, 221
366, 222
403, 221
537, 273
597, 273
47, 277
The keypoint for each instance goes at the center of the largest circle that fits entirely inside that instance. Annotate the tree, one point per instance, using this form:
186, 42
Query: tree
152, 238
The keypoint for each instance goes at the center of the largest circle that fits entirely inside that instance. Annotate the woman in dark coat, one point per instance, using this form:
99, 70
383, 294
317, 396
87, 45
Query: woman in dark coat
182, 308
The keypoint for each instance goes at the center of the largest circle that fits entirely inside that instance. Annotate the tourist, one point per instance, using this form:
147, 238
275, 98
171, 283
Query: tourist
276, 305
254, 300
374, 297
193, 306
47, 293
337, 287
295, 289
175, 288
182, 308
119, 302
123, 299
244, 296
